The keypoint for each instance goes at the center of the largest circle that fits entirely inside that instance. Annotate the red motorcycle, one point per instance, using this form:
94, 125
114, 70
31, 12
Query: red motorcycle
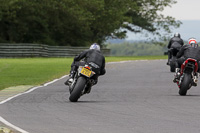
188, 76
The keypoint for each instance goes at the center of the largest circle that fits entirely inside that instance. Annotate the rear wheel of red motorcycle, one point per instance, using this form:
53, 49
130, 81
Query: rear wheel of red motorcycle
185, 85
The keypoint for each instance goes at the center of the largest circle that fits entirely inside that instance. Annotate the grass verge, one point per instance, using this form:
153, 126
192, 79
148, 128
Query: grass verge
125, 58
36, 71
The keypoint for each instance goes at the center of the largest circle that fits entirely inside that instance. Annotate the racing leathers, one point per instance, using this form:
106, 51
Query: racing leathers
174, 46
187, 51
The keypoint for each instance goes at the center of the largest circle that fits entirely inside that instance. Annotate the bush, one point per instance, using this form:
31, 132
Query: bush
135, 49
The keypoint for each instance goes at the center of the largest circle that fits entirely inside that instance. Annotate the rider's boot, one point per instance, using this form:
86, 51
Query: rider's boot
195, 80
168, 62
177, 75
71, 78
89, 86
169, 56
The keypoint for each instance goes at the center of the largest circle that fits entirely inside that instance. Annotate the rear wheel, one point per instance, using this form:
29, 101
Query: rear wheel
172, 64
76, 93
172, 67
185, 85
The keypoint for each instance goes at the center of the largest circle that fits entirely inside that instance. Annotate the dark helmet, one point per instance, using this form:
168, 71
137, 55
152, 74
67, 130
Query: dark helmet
177, 35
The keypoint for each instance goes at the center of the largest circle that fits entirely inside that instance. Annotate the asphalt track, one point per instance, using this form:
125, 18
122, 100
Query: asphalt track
133, 97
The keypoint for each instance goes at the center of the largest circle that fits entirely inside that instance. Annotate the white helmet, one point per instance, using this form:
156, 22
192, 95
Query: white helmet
192, 40
95, 46
177, 35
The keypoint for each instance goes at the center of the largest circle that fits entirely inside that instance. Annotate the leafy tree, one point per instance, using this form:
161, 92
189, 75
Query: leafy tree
79, 22
136, 49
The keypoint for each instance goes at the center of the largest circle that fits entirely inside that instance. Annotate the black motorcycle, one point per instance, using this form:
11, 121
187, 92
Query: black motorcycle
172, 60
188, 76
82, 82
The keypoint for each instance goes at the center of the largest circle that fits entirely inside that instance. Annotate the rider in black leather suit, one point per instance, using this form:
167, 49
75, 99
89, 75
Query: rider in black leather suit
93, 55
174, 46
191, 50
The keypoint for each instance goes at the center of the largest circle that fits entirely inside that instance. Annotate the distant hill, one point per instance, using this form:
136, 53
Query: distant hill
135, 49
117, 41
189, 28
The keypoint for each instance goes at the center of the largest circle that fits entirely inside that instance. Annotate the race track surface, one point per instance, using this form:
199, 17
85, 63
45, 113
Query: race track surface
133, 97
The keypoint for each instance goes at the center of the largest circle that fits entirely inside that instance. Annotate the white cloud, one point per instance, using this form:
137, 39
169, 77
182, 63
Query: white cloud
184, 10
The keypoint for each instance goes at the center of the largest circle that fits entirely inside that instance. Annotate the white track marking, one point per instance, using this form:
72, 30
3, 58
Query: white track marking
32, 89
12, 126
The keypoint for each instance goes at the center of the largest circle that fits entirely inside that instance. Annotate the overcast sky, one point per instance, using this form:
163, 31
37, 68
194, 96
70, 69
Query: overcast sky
184, 10
188, 12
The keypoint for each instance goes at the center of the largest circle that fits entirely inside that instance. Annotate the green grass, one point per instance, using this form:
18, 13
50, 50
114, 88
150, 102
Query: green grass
36, 71
125, 58
31, 71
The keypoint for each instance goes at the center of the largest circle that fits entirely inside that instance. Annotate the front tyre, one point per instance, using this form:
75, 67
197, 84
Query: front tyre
185, 85
76, 93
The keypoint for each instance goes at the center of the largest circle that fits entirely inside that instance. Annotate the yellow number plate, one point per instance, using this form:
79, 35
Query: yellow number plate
86, 72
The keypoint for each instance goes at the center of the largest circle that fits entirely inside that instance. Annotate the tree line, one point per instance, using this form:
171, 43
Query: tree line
80, 22
136, 49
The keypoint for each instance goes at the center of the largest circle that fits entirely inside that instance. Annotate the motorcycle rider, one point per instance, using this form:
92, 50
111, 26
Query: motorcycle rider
191, 50
91, 56
174, 45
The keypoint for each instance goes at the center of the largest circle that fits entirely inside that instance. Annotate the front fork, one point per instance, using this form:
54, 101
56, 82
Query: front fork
72, 85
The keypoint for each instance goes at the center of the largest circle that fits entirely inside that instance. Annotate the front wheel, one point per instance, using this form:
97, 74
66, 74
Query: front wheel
78, 88
185, 85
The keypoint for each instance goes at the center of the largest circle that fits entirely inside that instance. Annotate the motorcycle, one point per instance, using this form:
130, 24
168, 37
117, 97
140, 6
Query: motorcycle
188, 76
172, 61
82, 82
